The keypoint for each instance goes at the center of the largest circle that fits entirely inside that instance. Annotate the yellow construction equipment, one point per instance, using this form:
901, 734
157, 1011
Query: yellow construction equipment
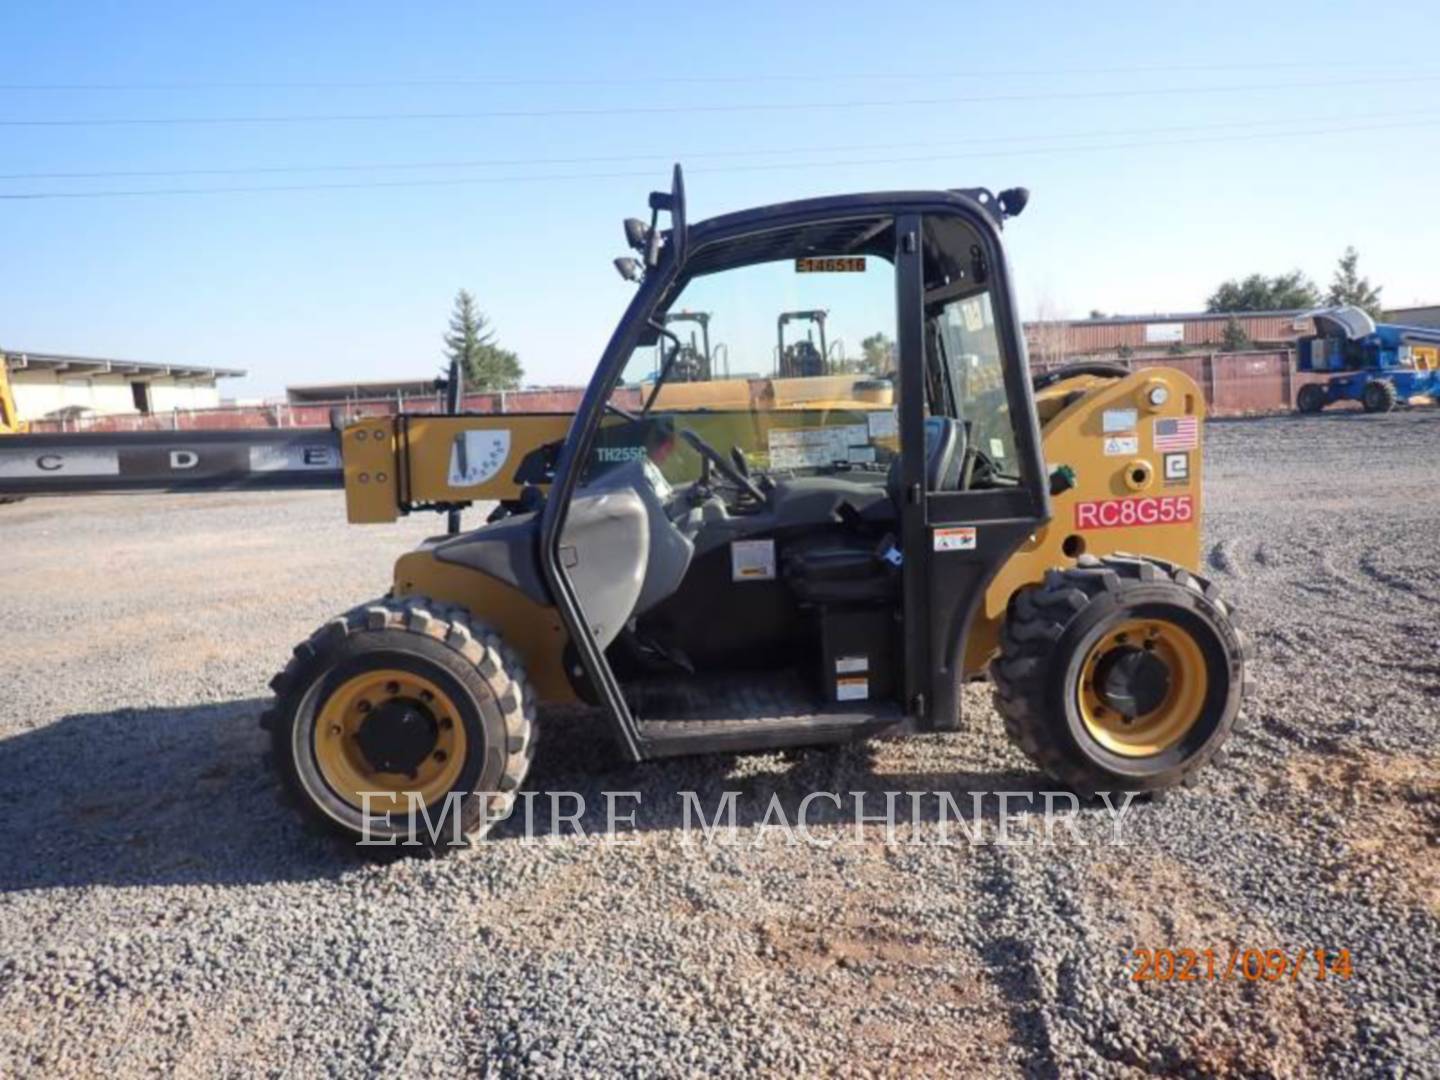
750, 563
10, 422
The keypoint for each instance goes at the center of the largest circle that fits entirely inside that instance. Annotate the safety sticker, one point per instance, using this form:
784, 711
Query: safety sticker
1124, 513
1117, 420
852, 688
955, 538
1176, 433
1121, 445
1177, 468
814, 448
478, 456
973, 312
884, 425
752, 560
851, 665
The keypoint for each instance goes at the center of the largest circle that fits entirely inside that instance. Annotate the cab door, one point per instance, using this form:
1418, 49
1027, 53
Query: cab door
975, 481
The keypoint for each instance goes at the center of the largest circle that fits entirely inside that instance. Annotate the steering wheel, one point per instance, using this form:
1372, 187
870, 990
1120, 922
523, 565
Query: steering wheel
723, 466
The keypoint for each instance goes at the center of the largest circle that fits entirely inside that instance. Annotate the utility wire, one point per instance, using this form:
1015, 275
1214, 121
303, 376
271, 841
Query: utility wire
829, 75
730, 107
764, 167
602, 159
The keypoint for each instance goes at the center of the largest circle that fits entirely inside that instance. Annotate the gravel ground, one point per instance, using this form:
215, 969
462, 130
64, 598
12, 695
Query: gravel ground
159, 911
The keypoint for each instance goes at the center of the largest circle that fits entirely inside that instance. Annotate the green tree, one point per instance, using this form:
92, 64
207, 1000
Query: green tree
1283, 292
879, 353
471, 340
1234, 338
1348, 287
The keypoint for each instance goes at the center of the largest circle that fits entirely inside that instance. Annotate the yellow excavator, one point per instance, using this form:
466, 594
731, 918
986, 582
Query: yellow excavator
776, 563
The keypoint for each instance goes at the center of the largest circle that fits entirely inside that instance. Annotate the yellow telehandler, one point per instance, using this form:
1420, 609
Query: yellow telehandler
773, 567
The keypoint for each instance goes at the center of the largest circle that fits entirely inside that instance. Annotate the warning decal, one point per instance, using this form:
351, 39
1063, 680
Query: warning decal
955, 538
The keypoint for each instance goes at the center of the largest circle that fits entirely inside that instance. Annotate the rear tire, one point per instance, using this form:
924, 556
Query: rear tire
1064, 638
1311, 398
466, 720
1379, 396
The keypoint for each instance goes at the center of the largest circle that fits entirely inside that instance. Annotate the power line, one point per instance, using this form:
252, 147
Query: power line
828, 75
601, 159
728, 107
629, 174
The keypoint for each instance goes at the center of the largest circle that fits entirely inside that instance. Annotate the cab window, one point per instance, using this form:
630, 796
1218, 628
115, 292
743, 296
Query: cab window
964, 362
785, 366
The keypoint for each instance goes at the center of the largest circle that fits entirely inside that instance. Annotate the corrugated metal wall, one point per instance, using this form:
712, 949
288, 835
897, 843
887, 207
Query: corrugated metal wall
1233, 384
1088, 338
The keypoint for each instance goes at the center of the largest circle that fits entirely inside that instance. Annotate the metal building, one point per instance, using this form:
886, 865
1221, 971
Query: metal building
52, 386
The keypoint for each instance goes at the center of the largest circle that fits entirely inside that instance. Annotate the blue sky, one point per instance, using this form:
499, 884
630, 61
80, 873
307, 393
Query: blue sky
1166, 146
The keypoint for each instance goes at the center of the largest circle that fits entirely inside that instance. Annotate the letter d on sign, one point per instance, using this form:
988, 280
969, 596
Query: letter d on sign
184, 459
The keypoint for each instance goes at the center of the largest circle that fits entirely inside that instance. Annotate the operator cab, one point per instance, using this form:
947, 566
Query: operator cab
779, 547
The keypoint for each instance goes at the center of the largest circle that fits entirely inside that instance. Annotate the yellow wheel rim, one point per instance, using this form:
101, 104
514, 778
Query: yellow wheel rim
340, 740
1162, 725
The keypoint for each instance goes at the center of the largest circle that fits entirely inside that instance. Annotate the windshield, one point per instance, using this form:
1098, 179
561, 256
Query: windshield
783, 367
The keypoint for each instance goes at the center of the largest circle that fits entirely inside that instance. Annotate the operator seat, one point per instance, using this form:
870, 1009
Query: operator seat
944, 457
838, 569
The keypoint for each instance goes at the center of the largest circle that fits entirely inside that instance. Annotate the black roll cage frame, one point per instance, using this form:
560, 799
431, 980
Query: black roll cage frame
980, 209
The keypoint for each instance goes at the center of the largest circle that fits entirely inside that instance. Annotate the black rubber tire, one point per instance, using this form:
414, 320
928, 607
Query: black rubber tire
484, 678
1311, 398
1047, 632
1379, 396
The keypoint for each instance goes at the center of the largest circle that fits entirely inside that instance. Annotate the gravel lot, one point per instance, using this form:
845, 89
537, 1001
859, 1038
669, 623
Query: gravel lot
159, 910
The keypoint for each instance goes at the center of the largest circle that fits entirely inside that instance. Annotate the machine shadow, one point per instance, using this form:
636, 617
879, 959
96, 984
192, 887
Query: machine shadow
151, 796
136, 797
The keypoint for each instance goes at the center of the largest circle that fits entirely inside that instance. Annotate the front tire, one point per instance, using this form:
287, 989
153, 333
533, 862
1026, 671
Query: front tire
1379, 396
401, 723
1311, 398
1122, 673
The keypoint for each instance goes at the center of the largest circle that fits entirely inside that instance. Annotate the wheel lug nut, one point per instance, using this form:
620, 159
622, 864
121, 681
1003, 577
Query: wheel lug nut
364, 706
392, 688
446, 723
335, 729
426, 695
440, 755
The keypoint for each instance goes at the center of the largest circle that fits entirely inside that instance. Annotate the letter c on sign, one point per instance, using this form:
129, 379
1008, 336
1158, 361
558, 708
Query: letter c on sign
184, 459
50, 462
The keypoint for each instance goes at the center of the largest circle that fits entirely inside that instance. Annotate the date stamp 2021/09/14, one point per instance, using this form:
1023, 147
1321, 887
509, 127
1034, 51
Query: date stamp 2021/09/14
1237, 964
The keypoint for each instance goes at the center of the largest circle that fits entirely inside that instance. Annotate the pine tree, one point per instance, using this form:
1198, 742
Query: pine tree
471, 340
1234, 338
1348, 287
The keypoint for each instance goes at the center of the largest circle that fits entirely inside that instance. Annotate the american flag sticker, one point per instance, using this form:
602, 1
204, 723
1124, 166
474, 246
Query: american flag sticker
1174, 433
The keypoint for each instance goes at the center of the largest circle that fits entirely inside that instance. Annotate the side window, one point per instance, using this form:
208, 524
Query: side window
965, 363
788, 364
